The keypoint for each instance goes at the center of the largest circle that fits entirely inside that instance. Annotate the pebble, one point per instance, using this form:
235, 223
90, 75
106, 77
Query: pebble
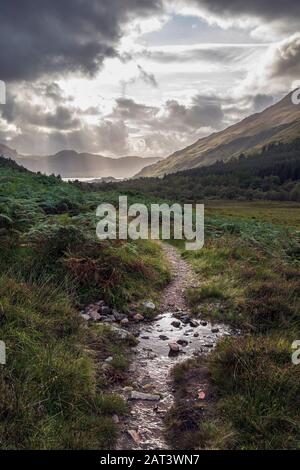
95, 316
134, 435
85, 316
163, 337
105, 310
182, 341
138, 317
174, 347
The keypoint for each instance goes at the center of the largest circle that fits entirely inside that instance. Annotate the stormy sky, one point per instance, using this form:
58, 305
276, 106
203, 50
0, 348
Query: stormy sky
140, 77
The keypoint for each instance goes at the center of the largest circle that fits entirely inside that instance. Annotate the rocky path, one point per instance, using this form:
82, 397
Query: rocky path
172, 337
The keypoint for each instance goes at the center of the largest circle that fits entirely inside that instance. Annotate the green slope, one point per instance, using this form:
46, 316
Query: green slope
280, 122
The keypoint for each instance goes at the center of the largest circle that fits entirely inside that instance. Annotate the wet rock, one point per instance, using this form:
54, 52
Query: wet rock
215, 330
115, 419
135, 436
109, 319
149, 305
177, 315
105, 310
118, 316
194, 323
144, 337
85, 316
163, 337
138, 317
203, 323
123, 334
174, 347
176, 323
144, 396
208, 345
196, 335
95, 316
182, 341
185, 319
151, 355
147, 386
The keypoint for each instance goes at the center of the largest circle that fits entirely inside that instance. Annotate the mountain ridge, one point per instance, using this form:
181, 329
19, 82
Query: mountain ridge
72, 164
279, 122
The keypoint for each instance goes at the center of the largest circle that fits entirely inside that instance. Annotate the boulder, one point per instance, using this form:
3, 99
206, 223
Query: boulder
124, 322
194, 323
215, 330
176, 323
149, 305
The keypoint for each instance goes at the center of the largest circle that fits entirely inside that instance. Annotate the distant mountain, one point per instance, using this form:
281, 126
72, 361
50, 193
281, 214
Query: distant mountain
278, 123
71, 164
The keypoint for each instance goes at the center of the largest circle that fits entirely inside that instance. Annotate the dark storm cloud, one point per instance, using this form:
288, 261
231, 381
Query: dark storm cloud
23, 114
127, 108
286, 59
57, 36
265, 9
204, 111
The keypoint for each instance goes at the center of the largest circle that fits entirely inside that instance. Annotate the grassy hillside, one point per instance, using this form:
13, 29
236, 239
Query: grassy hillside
279, 123
54, 391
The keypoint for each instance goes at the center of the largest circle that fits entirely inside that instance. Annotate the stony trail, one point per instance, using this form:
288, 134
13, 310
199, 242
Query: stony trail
143, 428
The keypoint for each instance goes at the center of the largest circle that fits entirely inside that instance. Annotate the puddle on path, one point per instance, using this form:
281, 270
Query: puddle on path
152, 362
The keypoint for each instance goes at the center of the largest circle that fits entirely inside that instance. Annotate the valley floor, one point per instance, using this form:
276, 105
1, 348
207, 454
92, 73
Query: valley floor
63, 369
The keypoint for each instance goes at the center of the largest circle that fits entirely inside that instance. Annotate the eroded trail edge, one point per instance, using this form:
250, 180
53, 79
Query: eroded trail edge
151, 394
